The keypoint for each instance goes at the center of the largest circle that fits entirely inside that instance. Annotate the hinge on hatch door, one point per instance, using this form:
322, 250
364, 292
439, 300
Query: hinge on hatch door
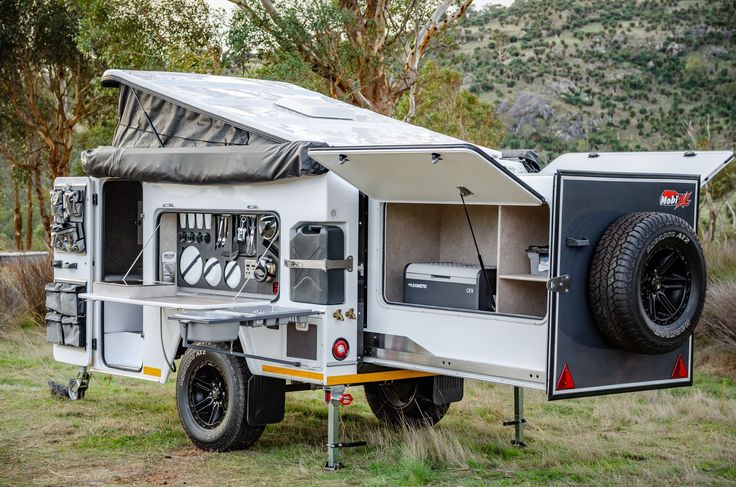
94, 344
94, 199
559, 284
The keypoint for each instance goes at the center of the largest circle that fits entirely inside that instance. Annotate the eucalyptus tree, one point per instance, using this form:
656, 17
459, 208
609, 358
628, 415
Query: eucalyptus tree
366, 52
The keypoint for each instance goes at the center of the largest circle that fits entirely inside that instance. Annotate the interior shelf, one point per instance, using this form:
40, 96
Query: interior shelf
525, 277
518, 291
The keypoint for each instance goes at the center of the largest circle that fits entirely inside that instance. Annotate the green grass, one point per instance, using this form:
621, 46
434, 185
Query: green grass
127, 432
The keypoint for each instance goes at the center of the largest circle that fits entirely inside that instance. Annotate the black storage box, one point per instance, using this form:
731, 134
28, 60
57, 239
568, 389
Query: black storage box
318, 242
449, 285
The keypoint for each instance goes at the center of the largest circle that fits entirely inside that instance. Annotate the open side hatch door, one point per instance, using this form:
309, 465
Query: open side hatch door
70, 318
427, 174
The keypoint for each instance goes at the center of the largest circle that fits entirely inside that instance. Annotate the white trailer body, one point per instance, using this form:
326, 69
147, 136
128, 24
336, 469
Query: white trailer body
180, 249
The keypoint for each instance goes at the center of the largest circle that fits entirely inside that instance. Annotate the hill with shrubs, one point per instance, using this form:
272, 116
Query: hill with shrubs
579, 75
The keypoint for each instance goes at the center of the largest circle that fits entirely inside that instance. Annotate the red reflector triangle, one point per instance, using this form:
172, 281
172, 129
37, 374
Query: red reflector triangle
565, 381
680, 371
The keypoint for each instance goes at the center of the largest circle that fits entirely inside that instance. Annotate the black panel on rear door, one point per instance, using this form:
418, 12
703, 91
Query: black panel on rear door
585, 205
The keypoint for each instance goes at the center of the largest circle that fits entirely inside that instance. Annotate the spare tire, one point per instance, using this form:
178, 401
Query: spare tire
647, 282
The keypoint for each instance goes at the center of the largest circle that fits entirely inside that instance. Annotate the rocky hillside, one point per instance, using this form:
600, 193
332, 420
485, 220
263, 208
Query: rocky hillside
578, 75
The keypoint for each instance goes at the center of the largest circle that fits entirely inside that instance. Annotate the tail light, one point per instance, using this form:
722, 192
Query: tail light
340, 349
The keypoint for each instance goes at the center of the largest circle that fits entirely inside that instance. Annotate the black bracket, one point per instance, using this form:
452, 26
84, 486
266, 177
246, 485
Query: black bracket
514, 422
349, 444
59, 264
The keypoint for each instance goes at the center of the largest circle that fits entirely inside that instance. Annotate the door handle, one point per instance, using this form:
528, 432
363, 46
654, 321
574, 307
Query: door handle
577, 242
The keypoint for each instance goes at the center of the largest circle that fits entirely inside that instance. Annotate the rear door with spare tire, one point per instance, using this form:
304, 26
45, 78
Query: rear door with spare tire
628, 283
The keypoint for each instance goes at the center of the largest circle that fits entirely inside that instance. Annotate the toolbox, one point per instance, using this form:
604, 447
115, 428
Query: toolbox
449, 285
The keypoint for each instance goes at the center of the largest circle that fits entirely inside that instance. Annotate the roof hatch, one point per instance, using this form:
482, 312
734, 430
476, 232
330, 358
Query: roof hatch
427, 174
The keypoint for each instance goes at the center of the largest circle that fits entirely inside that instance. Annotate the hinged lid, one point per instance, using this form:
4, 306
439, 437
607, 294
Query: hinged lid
705, 164
427, 174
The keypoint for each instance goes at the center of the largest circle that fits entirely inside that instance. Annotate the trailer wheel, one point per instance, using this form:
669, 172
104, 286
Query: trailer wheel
402, 402
211, 397
647, 282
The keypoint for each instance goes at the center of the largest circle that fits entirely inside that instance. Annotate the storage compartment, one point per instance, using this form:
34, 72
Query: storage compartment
67, 229
53, 296
318, 242
54, 333
127, 352
65, 321
435, 233
73, 329
230, 252
431, 233
122, 335
211, 332
521, 291
70, 304
122, 203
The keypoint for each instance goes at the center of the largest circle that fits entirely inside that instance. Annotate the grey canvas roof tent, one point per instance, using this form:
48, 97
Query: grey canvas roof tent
274, 239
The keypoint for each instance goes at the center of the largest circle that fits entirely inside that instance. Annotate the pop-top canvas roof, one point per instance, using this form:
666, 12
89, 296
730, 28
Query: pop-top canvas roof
277, 111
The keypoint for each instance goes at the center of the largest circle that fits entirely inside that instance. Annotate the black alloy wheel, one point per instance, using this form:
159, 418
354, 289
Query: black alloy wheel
212, 400
208, 395
665, 285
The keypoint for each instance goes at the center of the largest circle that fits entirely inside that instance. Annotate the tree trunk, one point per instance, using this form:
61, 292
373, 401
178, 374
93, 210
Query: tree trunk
17, 217
29, 214
42, 205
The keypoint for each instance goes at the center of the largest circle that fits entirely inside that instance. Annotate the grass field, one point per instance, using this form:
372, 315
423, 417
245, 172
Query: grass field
127, 432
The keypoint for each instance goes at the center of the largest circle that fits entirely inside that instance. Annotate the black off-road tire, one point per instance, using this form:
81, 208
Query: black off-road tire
403, 402
231, 431
647, 282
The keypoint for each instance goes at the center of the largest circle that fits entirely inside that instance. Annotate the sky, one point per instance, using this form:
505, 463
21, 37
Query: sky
478, 3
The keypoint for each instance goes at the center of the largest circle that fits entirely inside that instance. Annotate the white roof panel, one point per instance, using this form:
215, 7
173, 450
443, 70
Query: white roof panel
280, 110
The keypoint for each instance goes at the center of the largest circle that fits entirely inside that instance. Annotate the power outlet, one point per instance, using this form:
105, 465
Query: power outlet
250, 266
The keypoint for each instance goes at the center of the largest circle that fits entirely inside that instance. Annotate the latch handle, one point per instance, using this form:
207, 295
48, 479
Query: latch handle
577, 242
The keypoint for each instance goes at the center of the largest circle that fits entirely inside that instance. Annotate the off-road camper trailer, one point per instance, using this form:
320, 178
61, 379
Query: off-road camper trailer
275, 239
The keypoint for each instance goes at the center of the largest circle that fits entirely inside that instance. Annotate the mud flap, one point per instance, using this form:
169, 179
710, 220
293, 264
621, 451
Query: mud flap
266, 400
581, 361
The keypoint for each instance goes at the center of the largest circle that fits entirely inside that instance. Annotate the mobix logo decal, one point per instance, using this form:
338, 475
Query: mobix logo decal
670, 197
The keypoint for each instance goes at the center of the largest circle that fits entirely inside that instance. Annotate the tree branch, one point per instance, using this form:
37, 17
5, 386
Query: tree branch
438, 22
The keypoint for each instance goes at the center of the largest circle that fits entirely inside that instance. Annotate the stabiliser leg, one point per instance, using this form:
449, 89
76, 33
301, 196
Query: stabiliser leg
76, 387
335, 397
519, 420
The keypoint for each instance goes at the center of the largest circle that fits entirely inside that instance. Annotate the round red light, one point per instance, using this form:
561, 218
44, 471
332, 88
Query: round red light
340, 349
